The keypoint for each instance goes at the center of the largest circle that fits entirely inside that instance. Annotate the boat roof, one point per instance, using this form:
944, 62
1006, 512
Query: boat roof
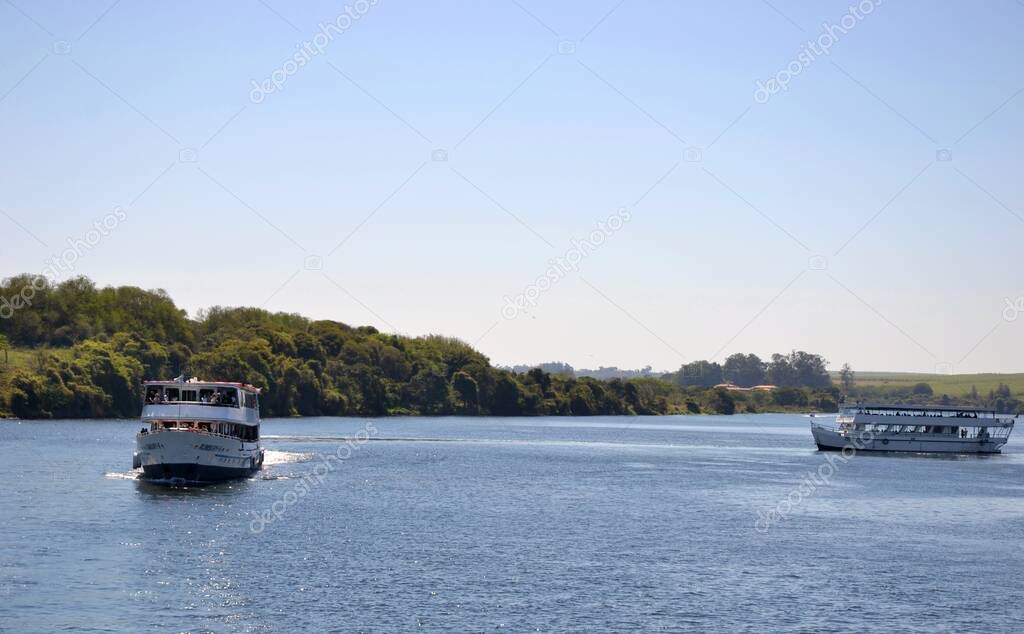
919, 408
197, 382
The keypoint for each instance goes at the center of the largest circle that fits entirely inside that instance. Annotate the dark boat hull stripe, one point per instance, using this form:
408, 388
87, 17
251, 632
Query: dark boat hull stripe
194, 472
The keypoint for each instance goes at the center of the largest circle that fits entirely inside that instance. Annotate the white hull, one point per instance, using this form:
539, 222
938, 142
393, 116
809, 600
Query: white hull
829, 440
195, 456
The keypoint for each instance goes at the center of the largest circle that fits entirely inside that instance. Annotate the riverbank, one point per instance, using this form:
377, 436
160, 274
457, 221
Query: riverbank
4, 416
77, 351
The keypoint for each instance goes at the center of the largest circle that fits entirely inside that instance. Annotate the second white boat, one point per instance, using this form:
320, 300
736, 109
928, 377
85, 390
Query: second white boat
915, 429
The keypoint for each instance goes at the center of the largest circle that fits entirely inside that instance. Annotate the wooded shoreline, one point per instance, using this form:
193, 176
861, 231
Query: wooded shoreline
76, 351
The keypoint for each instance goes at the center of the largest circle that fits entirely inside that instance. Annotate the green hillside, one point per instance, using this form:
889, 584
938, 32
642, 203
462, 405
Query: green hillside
956, 385
79, 351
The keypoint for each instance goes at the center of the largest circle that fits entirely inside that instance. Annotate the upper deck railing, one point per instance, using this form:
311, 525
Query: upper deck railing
192, 399
918, 416
192, 410
905, 410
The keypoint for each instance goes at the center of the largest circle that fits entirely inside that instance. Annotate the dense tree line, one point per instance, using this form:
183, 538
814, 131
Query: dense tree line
93, 347
558, 367
796, 369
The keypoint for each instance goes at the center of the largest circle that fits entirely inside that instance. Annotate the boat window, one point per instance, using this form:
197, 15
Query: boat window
153, 394
171, 394
227, 397
206, 395
188, 395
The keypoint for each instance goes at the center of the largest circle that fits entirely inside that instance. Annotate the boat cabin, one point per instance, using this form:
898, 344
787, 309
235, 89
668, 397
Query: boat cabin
958, 422
216, 394
211, 406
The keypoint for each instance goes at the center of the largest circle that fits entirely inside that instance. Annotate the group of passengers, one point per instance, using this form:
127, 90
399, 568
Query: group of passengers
242, 432
224, 398
927, 414
220, 397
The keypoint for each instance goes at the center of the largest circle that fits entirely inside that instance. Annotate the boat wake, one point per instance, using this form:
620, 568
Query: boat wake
272, 457
356, 439
134, 474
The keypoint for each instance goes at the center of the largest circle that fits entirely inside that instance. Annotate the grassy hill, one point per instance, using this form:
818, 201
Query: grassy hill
952, 384
27, 359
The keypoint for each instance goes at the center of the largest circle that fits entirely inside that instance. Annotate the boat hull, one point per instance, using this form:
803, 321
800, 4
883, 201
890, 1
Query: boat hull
828, 440
191, 472
178, 455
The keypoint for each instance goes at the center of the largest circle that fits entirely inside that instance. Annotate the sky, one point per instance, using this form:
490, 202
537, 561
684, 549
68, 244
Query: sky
628, 183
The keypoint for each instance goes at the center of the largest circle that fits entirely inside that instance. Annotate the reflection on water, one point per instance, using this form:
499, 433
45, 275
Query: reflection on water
272, 457
179, 490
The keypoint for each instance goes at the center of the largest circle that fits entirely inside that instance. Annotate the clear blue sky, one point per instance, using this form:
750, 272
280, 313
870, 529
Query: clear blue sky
819, 220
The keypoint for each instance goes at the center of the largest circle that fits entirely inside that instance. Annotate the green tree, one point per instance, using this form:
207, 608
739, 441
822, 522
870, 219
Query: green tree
699, 373
467, 392
922, 389
846, 377
790, 397
721, 402
541, 378
582, 400
780, 371
799, 368
508, 396
745, 370
429, 393
5, 346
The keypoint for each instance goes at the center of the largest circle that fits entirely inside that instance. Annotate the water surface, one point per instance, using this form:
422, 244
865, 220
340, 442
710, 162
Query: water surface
605, 524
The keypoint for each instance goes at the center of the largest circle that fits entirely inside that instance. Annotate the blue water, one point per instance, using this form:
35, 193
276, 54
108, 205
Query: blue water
542, 524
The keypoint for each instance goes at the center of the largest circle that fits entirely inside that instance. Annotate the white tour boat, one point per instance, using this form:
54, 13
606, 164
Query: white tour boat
914, 429
199, 431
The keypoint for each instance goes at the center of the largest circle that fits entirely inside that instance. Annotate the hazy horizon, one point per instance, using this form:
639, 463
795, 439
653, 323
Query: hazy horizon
425, 166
